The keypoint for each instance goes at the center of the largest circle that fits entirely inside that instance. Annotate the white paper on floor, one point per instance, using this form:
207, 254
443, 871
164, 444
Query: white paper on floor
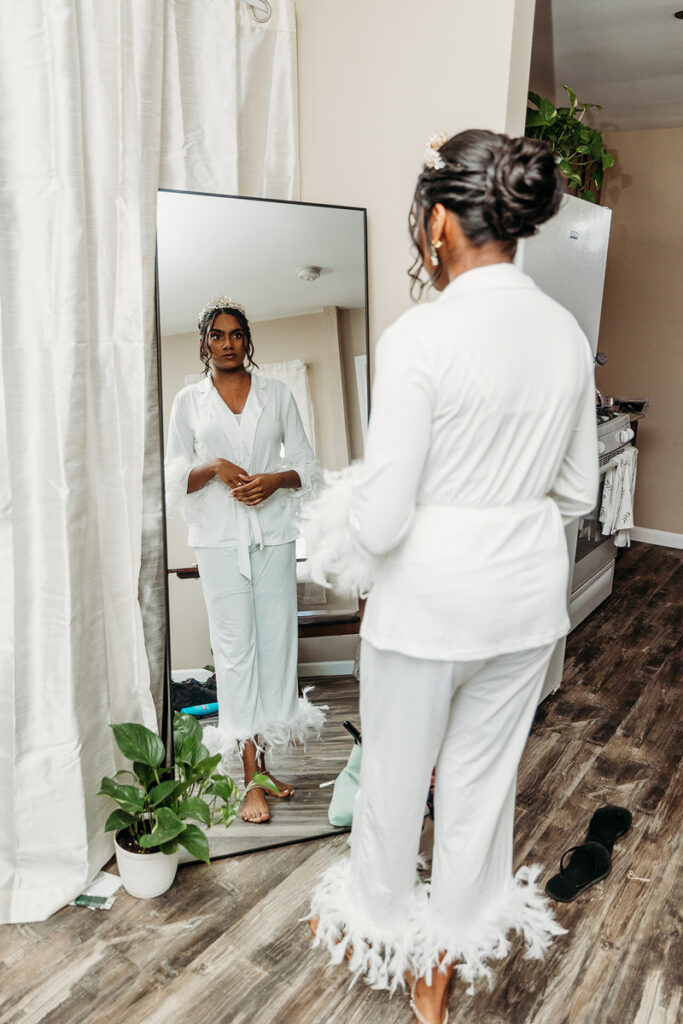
100, 893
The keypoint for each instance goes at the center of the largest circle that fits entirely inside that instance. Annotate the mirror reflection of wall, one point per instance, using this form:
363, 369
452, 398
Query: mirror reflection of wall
299, 271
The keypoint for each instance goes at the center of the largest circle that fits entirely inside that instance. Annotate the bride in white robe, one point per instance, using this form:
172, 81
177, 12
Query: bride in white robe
226, 476
481, 444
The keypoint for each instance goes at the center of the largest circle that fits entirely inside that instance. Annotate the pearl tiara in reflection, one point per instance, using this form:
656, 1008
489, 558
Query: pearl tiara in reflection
220, 302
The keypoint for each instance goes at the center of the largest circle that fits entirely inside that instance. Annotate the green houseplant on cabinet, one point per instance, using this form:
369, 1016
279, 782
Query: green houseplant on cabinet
156, 812
582, 155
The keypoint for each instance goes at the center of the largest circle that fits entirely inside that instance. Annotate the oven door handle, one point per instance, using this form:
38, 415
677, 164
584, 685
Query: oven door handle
613, 461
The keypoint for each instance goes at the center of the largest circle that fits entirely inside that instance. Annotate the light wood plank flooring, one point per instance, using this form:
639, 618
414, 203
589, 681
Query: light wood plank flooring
226, 943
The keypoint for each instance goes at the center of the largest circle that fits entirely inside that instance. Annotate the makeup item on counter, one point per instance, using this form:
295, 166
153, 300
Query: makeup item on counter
201, 709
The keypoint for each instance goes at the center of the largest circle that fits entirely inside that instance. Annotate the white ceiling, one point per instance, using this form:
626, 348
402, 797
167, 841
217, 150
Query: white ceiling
626, 55
249, 249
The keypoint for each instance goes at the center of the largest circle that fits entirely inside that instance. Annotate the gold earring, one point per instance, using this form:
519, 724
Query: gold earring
433, 254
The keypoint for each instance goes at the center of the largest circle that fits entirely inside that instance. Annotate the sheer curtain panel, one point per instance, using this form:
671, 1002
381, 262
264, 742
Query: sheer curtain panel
100, 104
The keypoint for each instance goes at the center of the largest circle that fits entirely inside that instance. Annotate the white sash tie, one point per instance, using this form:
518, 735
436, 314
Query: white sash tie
248, 533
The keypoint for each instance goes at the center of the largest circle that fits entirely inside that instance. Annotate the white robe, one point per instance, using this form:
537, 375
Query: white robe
202, 428
482, 442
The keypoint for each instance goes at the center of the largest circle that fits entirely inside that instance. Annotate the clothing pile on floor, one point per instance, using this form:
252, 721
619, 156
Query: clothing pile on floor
191, 692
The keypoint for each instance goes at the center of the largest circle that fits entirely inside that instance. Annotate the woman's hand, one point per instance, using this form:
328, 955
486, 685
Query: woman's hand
229, 473
252, 490
219, 469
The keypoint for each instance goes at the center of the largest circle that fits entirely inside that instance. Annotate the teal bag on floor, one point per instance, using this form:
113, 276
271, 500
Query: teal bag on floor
345, 788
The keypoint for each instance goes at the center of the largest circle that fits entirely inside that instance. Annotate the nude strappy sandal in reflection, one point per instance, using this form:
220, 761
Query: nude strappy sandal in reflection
413, 1007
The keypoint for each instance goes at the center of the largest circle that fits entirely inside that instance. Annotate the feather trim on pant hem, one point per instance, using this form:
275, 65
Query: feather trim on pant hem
382, 955
276, 735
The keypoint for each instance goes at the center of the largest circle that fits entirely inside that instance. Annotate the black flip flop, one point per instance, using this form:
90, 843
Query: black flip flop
588, 864
608, 824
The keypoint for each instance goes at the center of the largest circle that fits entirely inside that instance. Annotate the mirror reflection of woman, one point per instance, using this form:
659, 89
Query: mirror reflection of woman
226, 476
482, 441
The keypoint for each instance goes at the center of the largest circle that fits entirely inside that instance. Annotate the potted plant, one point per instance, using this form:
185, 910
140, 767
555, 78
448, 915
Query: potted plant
582, 155
157, 809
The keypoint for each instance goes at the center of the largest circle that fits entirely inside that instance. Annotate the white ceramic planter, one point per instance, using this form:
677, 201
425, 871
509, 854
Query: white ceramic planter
146, 875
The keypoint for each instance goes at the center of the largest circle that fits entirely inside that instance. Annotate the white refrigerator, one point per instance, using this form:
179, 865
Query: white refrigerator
567, 259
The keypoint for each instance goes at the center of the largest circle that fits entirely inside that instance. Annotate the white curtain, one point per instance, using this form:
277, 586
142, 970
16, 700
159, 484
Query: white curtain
294, 373
101, 103
230, 100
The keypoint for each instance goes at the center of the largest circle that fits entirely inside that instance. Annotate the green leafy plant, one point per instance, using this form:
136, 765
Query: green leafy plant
582, 155
156, 810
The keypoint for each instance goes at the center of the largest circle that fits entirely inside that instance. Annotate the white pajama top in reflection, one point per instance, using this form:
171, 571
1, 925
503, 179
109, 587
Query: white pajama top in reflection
482, 442
203, 428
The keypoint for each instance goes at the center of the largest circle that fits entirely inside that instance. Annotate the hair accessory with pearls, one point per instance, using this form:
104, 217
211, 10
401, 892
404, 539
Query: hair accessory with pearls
432, 157
221, 302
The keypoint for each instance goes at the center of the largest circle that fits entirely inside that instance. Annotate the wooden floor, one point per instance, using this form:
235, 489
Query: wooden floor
226, 943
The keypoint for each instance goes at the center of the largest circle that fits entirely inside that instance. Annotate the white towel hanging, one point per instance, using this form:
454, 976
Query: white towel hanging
616, 510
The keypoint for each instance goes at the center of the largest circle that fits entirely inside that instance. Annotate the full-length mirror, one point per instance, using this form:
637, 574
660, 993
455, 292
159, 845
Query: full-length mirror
264, 381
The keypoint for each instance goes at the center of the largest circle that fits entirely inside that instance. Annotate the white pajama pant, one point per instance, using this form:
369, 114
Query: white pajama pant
254, 638
471, 720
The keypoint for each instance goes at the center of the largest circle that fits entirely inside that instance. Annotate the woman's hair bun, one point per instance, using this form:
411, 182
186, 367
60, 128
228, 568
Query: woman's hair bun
500, 188
523, 187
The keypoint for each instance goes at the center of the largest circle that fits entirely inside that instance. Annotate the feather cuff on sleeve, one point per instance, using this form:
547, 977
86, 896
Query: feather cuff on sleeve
333, 554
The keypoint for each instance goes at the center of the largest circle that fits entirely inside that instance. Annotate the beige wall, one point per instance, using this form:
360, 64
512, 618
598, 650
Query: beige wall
313, 339
642, 316
375, 81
